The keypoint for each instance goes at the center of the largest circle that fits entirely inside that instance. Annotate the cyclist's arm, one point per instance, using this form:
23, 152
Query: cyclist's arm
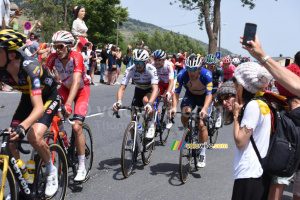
207, 102
171, 85
154, 93
121, 92
171, 77
74, 87
175, 100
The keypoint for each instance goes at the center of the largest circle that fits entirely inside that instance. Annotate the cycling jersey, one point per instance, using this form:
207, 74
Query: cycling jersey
33, 79
143, 80
166, 72
205, 78
74, 65
228, 73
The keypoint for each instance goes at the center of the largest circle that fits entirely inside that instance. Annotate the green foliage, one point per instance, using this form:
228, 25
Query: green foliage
101, 18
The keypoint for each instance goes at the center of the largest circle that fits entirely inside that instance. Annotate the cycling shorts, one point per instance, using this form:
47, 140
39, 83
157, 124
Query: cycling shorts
192, 100
139, 95
81, 101
51, 105
162, 87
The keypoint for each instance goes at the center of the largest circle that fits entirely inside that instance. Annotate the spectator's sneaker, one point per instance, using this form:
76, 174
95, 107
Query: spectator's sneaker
102, 81
81, 174
117, 83
52, 184
201, 162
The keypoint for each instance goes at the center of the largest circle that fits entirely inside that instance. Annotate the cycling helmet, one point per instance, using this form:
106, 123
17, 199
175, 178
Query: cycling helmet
226, 59
11, 40
210, 59
63, 36
235, 61
159, 54
193, 63
140, 55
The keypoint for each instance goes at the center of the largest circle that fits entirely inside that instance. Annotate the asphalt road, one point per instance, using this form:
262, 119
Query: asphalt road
158, 180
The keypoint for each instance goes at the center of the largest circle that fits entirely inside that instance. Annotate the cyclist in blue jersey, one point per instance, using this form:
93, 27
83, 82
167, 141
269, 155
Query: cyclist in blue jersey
198, 84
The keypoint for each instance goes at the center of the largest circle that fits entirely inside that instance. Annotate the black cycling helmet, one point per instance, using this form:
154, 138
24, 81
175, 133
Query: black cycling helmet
159, 54
210, 59
11, 40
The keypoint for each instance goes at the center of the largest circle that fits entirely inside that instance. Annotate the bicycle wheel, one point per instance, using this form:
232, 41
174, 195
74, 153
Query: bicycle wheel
164, 132
214, 136
147, 154
60, 162
127, 153
185, 157
213, 132
89, 150
10, 188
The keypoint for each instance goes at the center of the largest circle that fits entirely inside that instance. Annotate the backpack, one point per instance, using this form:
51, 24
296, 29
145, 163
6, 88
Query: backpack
126, 60
283, 156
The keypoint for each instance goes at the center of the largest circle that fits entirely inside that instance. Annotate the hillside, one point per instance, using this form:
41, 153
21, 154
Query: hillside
133, 25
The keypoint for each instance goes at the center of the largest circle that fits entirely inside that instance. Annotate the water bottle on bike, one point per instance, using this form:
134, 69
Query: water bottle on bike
64, 137
140, 136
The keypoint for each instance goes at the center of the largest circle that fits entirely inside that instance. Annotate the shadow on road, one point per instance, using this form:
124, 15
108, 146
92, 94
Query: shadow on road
171, 171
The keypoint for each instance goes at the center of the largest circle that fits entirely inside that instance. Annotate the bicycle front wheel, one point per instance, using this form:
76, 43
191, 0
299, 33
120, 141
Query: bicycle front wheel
9, 189
60, 162
164, 133
127, 153
185, 157
148, 147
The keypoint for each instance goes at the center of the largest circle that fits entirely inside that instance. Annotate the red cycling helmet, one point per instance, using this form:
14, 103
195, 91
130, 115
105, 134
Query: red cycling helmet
282, 91
226, 59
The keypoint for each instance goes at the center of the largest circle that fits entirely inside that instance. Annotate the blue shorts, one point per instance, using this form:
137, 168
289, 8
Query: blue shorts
192, 100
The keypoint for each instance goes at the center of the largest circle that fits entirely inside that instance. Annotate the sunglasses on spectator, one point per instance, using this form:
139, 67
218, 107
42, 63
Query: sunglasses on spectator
227, 97
59, 46
139, 63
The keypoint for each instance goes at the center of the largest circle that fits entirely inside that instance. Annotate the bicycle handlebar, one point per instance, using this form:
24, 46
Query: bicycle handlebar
18, 146
135, 108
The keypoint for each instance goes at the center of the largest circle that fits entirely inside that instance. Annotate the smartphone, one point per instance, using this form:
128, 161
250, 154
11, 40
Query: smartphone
249, 33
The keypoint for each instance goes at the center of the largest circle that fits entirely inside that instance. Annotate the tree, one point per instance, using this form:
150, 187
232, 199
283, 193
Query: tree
210, 16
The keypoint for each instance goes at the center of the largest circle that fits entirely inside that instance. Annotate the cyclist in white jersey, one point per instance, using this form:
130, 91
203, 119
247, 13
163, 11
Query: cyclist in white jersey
145, 77
165, 72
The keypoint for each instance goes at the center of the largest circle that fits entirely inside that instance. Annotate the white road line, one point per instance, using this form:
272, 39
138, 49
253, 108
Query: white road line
93, 115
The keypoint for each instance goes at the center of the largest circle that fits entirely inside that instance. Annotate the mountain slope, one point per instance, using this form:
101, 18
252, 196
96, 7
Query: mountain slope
133, 25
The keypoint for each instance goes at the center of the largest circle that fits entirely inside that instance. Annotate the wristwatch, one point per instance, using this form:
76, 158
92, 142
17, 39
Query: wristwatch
264, 60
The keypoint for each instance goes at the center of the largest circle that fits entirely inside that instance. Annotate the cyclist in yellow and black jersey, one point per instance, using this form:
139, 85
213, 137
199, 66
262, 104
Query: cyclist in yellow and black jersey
39, 101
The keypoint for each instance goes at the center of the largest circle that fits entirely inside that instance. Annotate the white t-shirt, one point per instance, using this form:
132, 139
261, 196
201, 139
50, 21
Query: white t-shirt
246, 163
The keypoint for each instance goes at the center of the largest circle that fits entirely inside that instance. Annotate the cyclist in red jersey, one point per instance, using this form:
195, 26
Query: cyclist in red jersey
228, 68
74, 87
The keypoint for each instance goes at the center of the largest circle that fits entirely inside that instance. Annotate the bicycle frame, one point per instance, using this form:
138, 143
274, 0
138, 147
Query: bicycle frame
12, 163
5, 159
135, 121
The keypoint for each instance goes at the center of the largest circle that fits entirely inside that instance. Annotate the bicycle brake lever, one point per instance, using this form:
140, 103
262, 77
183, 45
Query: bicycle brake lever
117, 114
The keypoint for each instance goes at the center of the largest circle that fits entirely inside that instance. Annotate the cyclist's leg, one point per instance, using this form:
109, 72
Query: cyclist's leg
81, 106
187, 105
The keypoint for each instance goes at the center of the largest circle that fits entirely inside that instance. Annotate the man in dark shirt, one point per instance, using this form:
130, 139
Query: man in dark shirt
103, 58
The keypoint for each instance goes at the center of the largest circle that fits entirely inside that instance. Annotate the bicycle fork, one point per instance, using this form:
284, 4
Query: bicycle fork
5, 159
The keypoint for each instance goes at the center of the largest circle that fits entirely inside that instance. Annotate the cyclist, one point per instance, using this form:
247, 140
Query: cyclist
165, 72
228, 68
74, 87
146, 89
39, 100
236, 62
198, 84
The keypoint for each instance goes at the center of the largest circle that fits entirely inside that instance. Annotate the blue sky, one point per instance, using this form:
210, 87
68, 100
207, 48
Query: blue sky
278, 26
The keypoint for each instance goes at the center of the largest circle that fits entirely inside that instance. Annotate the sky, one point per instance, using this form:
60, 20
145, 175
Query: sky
278, 25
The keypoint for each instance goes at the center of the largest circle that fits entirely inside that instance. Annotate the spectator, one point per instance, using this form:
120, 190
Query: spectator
181, 58
119, 65
128, 58
85, 59
250, 119
34, 48
103, 58
173, 60
79, 29
93, 63
112, 65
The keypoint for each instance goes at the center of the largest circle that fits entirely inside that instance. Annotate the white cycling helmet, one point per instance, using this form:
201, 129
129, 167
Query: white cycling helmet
141, 55
193, 63
235, 61
63, 36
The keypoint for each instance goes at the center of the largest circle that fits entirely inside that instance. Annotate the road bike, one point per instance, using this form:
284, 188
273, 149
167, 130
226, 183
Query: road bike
71, 152
15, 187
134, 142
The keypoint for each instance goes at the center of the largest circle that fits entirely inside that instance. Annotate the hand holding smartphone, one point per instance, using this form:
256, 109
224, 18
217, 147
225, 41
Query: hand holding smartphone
249, 33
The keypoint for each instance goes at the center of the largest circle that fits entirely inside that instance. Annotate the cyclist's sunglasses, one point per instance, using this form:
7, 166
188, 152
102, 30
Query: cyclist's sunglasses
191, 68
59, 46
226, 97
210, 66
139, 63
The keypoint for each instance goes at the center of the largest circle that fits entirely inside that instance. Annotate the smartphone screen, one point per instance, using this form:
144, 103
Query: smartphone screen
249, 33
